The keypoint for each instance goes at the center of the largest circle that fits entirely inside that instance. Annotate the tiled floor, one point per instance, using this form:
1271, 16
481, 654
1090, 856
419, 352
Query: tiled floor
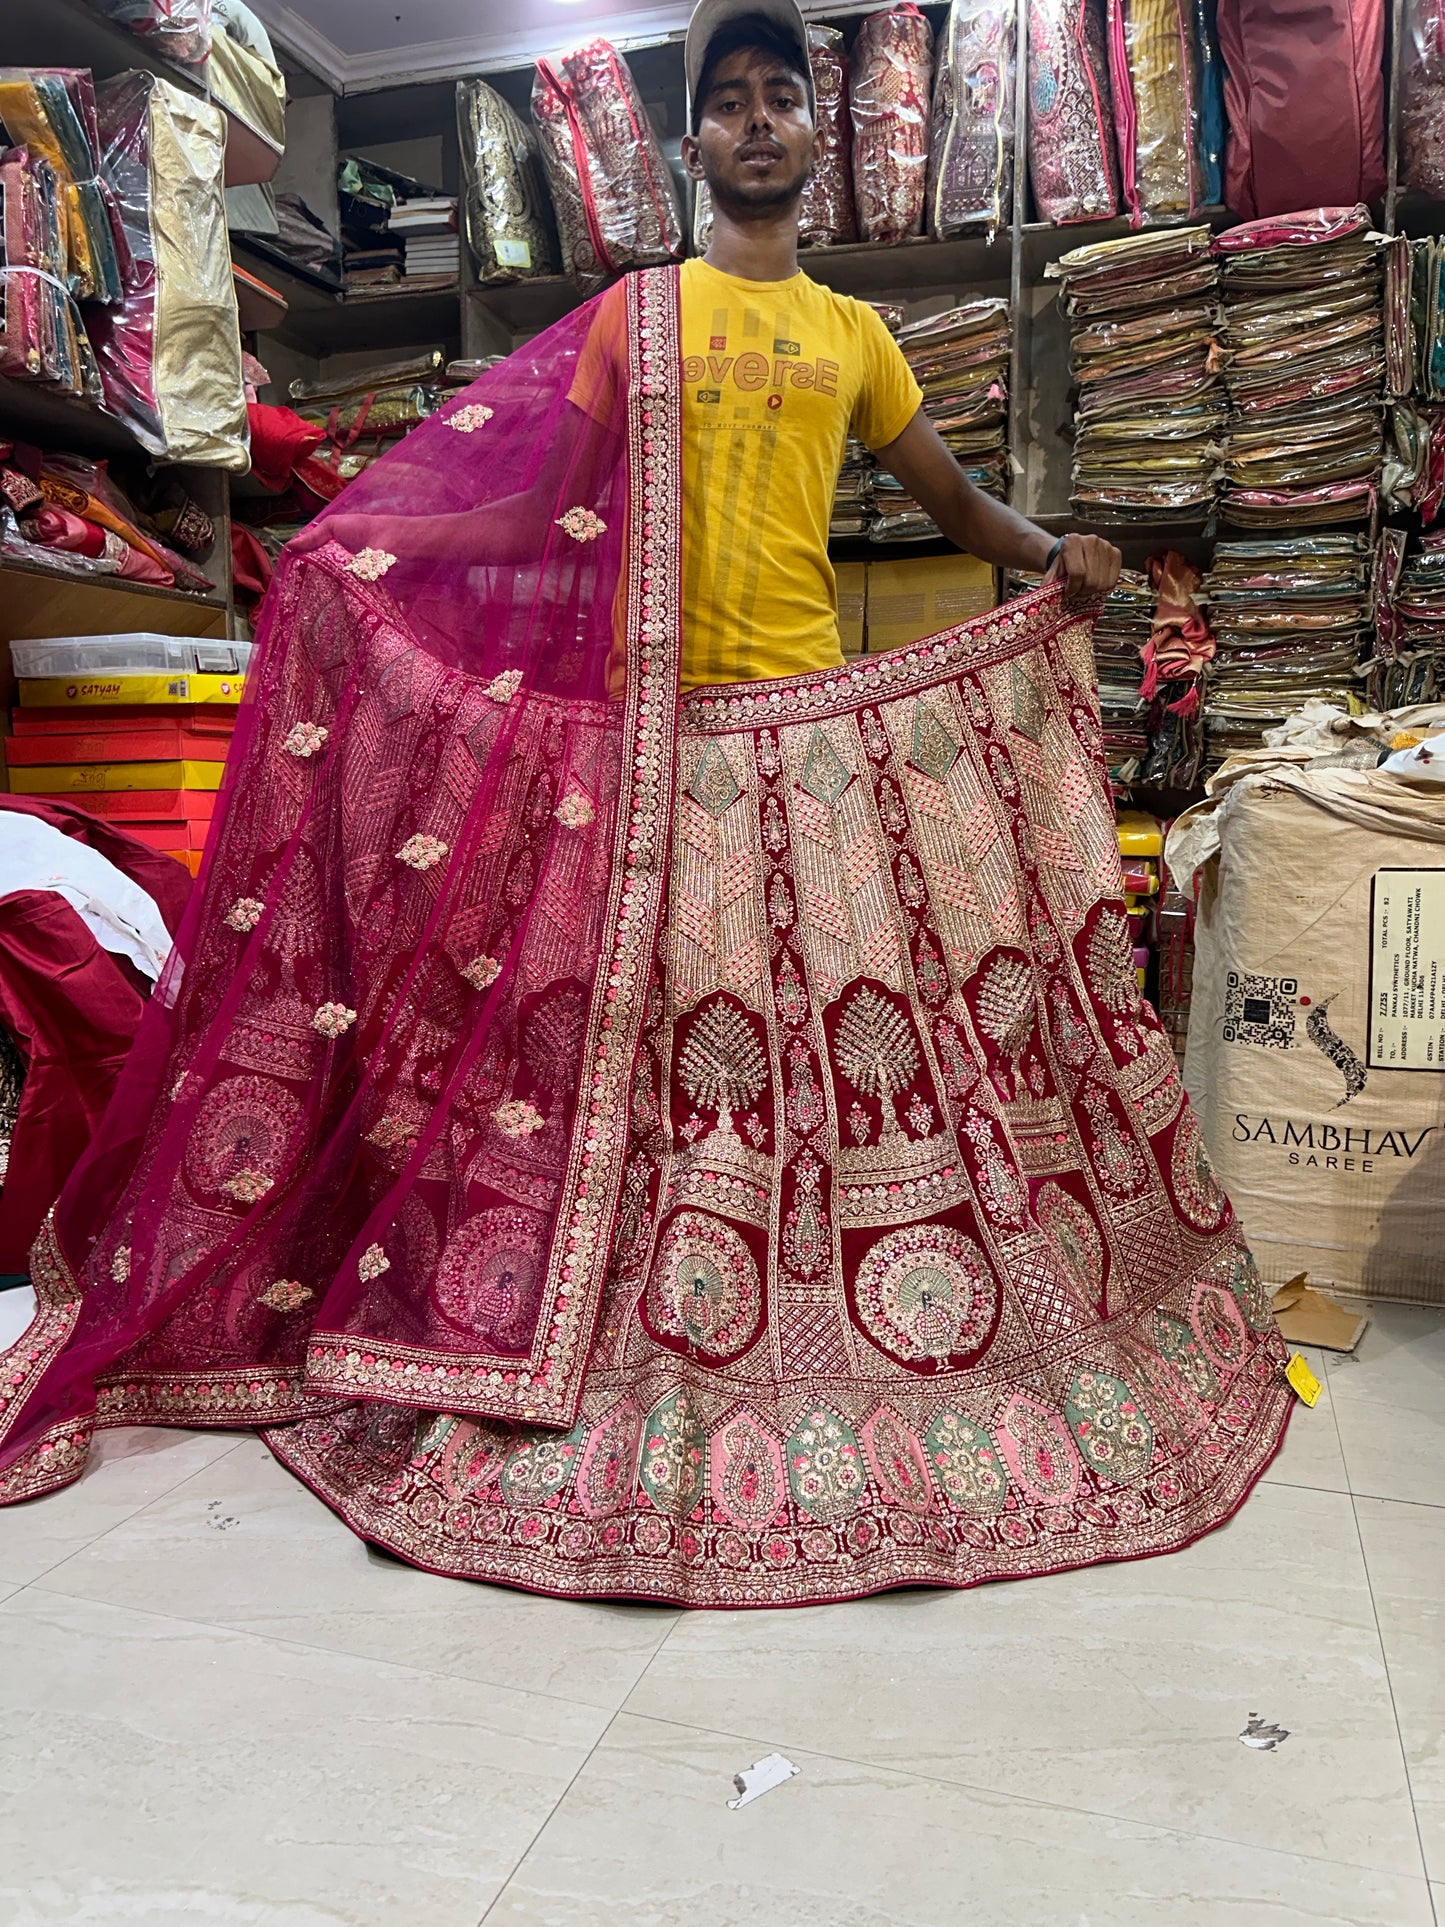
217, 1706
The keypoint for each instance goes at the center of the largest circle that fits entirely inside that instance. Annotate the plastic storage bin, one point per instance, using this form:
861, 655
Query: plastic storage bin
136, 654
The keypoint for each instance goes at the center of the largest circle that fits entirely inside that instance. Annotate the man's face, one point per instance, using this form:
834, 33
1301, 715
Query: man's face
755, 144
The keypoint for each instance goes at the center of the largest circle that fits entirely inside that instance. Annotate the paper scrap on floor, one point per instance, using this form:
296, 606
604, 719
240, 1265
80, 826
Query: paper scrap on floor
761, 1778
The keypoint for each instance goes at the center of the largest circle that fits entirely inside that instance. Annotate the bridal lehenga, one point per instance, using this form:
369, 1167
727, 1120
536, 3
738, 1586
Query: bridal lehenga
709, 1150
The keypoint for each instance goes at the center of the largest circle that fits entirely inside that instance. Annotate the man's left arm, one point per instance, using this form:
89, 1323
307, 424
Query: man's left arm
990, 529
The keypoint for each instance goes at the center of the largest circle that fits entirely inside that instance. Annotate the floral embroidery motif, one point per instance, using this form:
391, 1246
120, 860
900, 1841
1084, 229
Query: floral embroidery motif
1112, 1431
388, 1132
306, 739
247, 1186
333, 1020
482, 972
502, 688
671, 1459
421, 852
286, 1294
372, 1263
371, 564
704, 1287
966, 1464
582, 525
517, 1118
245, 913
466, 421
825, 1466
120, 1264
575, 811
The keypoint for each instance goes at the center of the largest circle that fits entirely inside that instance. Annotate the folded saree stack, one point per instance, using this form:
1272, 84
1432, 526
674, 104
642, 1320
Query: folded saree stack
1142, 322
1120, 635
1291, 617
853, 497
1304, 363
1412, 668
41, 337
960, 360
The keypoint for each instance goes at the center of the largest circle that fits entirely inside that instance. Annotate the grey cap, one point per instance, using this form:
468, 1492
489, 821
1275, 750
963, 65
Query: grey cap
709, 15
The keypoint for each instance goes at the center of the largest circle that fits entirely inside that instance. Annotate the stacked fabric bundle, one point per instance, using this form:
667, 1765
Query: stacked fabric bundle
67, 512
41, 338
853, 497
502, 188
1072, 160
51, 112
170, 353
890, 92
1422, 98
1142, 322
970, 162
361, 414
1156, 79
1304, 365
614, 198
960, 360
1120, 636
1413, 669
1291, 615
132, 727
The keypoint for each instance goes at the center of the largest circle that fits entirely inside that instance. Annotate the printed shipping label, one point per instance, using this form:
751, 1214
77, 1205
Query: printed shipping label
512, 253
1407, 970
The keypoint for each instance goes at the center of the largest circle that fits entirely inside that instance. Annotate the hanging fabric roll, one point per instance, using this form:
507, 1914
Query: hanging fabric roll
615, 200
970, 163
1072, 160
890, 86
501, 188
1154, 67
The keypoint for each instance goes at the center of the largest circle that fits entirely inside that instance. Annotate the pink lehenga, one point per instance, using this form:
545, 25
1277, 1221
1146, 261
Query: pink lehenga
708, 1150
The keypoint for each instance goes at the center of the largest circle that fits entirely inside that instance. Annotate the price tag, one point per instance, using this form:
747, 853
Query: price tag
512, 253
1305, 1384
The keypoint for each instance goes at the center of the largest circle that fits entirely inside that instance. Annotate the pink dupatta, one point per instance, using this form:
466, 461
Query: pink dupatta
369, 1141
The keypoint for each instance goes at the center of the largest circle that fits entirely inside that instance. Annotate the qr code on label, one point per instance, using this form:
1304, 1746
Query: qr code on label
1260, 1010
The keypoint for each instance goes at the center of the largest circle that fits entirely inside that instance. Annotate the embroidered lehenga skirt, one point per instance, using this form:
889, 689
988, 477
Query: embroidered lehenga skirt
920, 1273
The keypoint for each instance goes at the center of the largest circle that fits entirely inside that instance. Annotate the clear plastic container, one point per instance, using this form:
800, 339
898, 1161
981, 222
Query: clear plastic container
137, 654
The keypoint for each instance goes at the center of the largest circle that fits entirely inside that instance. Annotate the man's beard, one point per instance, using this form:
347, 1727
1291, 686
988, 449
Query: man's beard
765, 198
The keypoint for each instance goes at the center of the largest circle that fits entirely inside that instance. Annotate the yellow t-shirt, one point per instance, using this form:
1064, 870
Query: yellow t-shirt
776, 375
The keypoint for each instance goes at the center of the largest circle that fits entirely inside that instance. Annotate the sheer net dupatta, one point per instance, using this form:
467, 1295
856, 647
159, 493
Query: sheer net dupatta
370, 1139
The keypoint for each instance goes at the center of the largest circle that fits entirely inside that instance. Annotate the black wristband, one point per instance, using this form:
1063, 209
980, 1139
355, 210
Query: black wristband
1054, 554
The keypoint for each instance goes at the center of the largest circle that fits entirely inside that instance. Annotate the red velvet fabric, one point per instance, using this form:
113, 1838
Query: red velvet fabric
161, 877
68, 1006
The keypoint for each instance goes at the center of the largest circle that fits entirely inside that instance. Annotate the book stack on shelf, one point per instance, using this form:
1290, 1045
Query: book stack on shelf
427, 226
133, 727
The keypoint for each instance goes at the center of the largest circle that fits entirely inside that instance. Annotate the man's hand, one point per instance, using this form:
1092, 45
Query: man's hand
1088, 565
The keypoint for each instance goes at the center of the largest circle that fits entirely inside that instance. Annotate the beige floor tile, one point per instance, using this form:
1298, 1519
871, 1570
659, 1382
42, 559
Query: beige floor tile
1405, 1554
1311, 1455
247, 1545
644, 1838
128, 1468
17, 1308
1389, 1398
157, 1772
1119, 1690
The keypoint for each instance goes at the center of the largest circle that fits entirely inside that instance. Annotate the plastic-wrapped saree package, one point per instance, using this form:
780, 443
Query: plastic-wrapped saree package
970, 160
826, 216
1422, 98
501, 188
246, 81
1154, 71
1305, 91
614, 197
178, 29
40, 334
1072, 159
1304, 363
51, 111
890, 89
170, 354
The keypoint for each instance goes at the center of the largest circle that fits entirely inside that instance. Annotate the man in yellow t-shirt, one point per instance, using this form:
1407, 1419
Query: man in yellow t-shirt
777, 372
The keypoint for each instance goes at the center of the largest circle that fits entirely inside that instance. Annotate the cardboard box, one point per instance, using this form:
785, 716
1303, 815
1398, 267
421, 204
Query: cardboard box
131, 744
64, 779
123, 806
1316, 1055
852, 604
209, 719
85, 692
910, 600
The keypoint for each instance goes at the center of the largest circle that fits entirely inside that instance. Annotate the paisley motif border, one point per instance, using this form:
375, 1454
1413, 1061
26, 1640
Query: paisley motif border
546, 1388
57, 1456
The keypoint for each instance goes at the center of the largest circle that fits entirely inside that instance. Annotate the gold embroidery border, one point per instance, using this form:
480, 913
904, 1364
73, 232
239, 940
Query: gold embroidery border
1014, 629
546, 1387
58, 1454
